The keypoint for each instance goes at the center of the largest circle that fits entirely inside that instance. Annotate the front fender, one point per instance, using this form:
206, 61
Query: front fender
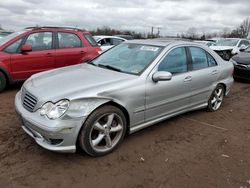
83, 107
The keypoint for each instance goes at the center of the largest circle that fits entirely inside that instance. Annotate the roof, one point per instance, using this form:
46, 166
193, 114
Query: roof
51, 27
159, 42
107, 36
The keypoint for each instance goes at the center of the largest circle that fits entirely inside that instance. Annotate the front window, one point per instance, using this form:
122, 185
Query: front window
128, 58
105, 42
10, 37
227, 42
40, 41
175, 62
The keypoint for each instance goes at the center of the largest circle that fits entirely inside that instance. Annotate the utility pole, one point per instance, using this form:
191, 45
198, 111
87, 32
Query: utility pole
158, 33
152, 31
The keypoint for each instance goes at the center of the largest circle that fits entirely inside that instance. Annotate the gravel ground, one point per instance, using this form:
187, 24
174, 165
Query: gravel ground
197, 149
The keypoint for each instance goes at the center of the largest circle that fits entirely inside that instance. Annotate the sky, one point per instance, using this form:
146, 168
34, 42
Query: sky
171, 16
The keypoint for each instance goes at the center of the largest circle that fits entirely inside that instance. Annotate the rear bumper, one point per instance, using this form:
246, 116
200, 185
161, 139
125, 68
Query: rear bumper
58, 135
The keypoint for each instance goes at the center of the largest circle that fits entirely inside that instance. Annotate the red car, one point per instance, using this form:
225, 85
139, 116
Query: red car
37, 49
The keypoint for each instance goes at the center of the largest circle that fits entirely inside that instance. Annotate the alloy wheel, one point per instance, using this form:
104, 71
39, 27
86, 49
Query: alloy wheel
106, 132
217, 98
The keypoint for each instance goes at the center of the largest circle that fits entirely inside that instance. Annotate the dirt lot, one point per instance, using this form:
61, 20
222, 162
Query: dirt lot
197, 149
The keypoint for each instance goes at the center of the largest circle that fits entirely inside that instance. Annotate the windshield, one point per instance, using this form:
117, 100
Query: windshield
227, 42
9, 37
128, 58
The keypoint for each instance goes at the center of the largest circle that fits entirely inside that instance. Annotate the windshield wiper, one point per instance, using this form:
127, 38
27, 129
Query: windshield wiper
91, 63
110, 67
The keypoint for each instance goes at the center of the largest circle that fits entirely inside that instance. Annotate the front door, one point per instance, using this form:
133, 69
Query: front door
41, 58
167, 97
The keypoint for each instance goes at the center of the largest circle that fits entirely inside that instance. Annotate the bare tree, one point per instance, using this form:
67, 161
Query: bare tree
226, 32
245, 28
191, 33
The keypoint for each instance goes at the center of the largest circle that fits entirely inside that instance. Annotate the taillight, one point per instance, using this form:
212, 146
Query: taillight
98, 50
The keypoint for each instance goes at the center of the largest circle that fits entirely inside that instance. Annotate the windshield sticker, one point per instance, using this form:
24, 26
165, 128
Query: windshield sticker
149, 48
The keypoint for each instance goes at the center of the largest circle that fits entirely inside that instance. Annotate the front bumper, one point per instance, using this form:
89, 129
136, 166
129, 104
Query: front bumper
58, 135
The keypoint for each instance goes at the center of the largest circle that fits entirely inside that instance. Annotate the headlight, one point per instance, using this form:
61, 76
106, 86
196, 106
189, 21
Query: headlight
54, 111
234, 62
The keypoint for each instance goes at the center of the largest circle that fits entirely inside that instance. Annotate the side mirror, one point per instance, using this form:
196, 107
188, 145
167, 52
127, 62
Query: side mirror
242, 47
161, 76
26, 48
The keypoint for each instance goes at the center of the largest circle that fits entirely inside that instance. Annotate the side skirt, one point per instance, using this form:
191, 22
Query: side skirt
147, 124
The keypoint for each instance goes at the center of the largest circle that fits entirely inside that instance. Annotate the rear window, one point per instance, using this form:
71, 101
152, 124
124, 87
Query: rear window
90, 39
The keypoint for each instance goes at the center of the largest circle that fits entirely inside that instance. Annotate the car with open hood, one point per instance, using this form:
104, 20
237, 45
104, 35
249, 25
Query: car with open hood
228, 47
127, 88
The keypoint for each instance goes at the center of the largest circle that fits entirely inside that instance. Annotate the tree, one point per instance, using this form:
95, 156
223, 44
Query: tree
245, 28
191, 33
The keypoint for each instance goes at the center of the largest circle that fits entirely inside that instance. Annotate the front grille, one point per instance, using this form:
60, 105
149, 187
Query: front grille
29, 101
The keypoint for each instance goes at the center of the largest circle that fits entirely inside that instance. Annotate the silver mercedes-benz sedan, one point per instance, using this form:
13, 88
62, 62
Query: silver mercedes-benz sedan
131, 86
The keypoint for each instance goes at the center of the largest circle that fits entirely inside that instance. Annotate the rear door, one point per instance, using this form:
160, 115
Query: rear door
204, 73
168, 97
41, 58
70, 49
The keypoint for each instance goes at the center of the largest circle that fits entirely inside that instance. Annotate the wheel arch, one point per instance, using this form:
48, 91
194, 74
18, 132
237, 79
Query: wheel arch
119, 106
6, 74
224, 87
123, 109
112, 103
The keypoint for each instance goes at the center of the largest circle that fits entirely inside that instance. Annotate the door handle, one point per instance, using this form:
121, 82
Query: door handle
214, 72
188, 79
49, 55
82, 52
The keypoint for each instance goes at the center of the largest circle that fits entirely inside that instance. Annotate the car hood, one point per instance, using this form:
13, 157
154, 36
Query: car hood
243, 58
222, 48
77, 81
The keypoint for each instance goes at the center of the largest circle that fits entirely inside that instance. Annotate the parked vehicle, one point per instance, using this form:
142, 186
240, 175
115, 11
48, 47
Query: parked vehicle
228, 47
127, 37
107, 42
206, 42
37, 49
241, 63
129, 87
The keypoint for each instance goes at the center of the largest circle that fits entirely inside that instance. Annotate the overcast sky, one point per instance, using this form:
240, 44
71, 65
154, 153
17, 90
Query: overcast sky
173, 16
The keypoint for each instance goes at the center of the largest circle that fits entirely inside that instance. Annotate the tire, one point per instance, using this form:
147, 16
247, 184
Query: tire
3, 81
103, 131
216, 99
